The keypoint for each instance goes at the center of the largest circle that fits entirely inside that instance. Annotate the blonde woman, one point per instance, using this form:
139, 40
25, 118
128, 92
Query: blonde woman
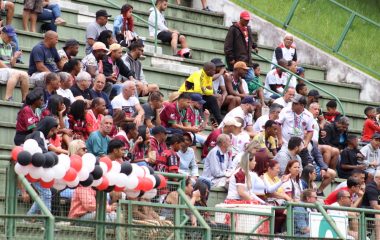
77, 147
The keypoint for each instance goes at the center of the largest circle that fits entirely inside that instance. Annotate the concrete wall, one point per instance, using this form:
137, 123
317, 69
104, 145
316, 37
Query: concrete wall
270, 35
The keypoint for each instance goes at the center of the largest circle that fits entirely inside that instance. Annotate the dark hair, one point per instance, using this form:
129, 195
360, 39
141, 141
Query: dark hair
299, 86
352, 182
70, 65
118, 118
331, 104
142, 132
103, 36
54, 103
262, 159
282, 62
351, 137
255, 65
114, 144
51, 77
67, 103
307, 193
272, 163
368, 109
35, 95
176, 138
160, 1
96, 102
125, 8
203, 188
357, 171
78, 110
289, 165
128, 126
306, 175
294, 142
184, 96
155, 96
136, 44
269, 124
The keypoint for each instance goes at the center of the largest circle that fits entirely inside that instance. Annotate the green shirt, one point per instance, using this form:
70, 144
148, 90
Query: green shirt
97, 144
252, 85
6, 52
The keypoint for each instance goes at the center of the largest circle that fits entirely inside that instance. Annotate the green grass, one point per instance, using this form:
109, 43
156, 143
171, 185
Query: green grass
324, 21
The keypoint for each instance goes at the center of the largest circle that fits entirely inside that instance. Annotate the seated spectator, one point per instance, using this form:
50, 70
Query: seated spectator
371, 199
77, 121
81, 88
91, 61
300, 73
195, 117
293, 187
69, 50
51, 86
331, 113
131, 60
371, 154
168, 161
357, 174
130, 104
30, 12
218, 83
234, 83
244, 111
188, 163
286, 50
163, 33
95, 28
268, 138
313, 97
157, 142
239, 139
142, 147
97, 92
106, 37
83, 205
95, 115
285, 155
116, 150
286, 100
253, 86
97, 143
308, 177
353, 187
292, 67
73, 67
370, 124
8, 57
152, 109
65, 84
301, 89
274, 112
275, 80
52, 12
230, 125
8, 8
128, 134
335, 134
351, 158
123, 26
44, 58
217, 167
201, 82
301, 214
29, 115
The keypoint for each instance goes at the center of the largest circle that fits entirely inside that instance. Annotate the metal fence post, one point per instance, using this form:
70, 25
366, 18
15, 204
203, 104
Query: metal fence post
101, 207
344, 33
11, 201
291, 14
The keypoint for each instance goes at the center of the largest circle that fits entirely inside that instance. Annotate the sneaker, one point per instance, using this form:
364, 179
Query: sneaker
207, 9
60, 21
10, 99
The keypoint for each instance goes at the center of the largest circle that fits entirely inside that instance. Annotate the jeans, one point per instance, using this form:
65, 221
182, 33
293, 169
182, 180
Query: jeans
110, 216
45, 195
50, 12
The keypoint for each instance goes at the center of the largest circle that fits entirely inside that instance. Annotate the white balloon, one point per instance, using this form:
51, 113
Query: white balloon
137, 170
116, 167
132, 182
112, 178
88, 165
104, 167
96, 183
64, 161
121, 180
59, 171
89, 158
59, 185
48, 175
21, 170
37, 172
132, 194
146, 170
73, 183
149, 194
31, 146
83, 174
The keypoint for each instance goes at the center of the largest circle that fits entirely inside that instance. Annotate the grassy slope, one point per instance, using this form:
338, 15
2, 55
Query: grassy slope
325, 21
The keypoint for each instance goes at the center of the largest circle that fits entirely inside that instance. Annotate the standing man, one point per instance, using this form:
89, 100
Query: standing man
95, 28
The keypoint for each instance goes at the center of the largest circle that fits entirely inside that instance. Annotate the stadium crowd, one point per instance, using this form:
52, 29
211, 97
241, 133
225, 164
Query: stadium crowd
267, 145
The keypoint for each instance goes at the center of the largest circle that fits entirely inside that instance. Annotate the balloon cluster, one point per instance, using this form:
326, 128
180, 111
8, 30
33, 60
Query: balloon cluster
61, 171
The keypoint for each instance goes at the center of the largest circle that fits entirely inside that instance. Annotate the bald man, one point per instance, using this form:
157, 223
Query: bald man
44, 58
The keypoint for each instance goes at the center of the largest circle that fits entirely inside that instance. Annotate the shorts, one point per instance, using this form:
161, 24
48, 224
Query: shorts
165, 36
5, 73
34, 5
318, 172
38, 79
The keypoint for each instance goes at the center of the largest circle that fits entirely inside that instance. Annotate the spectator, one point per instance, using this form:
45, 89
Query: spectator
286, 50
92, 61
95, 28
274, 112
77, 121
130, 104
201, 82
301, 73
357, 174
45, 129
196, 118
157, 142
123, 26
81, 88
44, 58
301, 89
116, 150
95, 115
239, 139
30, 12
9, 8
370, 124
308, 177
351, 158
353, 187
239, 44
218, 83
313, 96
275, 80
73, 67
217, 167
69, 50
371, 154
204, 5
371, 199
331, 113
131, 60
52, 12
244, 111
291, 80
293, 187
142, 147
106, 37
8, 57
52, 85
301, 214
65, 84
335, 134
286, 100
284, 156
169, 160
234, 83
128, 135
230, 125
188, 163
152, 109
97, 143
97, 92
29, 115
165, 34
254, 86
268, 138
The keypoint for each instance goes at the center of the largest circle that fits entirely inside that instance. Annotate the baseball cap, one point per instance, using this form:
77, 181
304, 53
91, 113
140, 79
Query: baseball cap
158, 129
9, 30
218, 62
114, 47
314, 93
102, 13
300, 70
230, 121
99, 46
70, 42
196, 97
376, 135
241, 64
249, 100
299, 99
245, 15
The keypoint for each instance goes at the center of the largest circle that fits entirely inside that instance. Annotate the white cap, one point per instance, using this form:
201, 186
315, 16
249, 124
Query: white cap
231, 122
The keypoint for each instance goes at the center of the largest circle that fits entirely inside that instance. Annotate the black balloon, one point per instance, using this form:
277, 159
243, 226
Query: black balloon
151, 170
55, 156
126, 168
97, 173
38, 159
49, 160
88, 181
158, 180
24, 158
110, 189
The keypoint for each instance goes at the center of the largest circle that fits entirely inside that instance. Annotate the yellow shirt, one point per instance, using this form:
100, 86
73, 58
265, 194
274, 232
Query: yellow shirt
271, 182
198, 80
271, 144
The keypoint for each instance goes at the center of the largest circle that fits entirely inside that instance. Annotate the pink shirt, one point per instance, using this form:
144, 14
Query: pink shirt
92, 123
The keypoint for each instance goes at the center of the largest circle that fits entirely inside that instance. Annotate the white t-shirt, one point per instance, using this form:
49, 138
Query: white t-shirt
282, 102
260, 122
293, 188
316, 131
66, 93
240, 141
371, 154
218, 83
238, 112
292, 81
273, 78
129, 105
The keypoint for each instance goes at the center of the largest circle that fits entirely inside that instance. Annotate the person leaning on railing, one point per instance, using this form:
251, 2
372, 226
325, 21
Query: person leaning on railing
371, 199
301, 214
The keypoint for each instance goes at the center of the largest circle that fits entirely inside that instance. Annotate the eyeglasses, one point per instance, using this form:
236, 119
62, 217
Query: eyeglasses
84, 149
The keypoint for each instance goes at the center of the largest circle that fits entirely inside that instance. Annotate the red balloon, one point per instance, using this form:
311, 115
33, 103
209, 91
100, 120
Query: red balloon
76, 162
104, 185
107, 161
15, 151
70, 175
119, 189
163, 182
47, 184
145, 184
30, 179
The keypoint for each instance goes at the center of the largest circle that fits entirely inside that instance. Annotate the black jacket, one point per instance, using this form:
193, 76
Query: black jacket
333, 136
123, 70
42, 131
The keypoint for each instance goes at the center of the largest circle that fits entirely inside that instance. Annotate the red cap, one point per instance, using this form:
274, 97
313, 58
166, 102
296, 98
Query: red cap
245, 15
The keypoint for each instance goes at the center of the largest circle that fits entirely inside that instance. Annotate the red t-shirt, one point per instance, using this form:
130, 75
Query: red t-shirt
369, 128
193, 116
330, 117
155, 146
26, 119
167, 162
171, 115
92, 122
210, 141
332, 197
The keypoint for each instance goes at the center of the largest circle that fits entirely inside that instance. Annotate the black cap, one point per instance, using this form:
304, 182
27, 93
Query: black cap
102, 13
218, 62
376, 135
158, 129
70, 42
314, 93
249, 100
299, 99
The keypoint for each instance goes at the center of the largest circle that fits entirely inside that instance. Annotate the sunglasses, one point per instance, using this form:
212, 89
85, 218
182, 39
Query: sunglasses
84, 149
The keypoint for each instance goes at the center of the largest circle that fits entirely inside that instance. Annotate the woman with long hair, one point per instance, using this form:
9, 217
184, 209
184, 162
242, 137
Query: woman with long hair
77, 120
308, 177
142, 146
123, 26
293, 186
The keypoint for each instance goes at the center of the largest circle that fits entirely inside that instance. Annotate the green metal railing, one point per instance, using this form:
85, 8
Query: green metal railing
339, 42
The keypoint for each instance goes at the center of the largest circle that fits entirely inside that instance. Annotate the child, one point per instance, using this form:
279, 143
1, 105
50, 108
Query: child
370, 124
188, 164
301, 89
350, 158
331, 113
168, 161
253, 87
